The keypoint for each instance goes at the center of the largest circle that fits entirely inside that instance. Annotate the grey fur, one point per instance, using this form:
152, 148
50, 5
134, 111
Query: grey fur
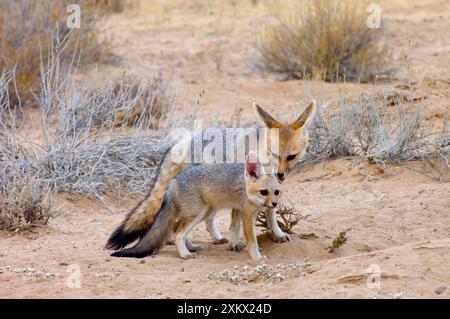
190, 192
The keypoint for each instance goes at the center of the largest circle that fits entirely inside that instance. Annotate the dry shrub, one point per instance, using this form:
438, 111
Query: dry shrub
287, 218
379, 129
24, 199
86, 150
133, 102
328, 39
29, 28
82, 150
152, 100
113, 5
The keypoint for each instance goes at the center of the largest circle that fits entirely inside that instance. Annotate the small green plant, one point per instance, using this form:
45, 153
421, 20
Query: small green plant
339, 241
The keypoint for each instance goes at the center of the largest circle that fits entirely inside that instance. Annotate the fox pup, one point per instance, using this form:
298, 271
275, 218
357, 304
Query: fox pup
198, 192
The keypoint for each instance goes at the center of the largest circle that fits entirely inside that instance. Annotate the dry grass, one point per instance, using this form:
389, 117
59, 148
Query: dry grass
29, 28
327, 39
114, 6
378, 129
84, 149
24, 199
152, 100
128, 101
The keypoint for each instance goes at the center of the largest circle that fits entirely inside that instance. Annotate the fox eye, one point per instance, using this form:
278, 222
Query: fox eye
277, 192
291, 157
264, 192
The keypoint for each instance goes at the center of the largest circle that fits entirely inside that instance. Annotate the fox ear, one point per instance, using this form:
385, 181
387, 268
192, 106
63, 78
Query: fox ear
306, 116
253, 167
266, 117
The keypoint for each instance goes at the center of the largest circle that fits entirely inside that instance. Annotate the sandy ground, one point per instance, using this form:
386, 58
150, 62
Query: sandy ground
397, 217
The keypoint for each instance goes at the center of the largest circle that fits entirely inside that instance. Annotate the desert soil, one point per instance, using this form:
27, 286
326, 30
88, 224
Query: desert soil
397, 217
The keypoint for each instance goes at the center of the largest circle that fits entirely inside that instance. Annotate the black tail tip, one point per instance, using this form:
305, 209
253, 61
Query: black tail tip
119, 253
130, 253
119, 238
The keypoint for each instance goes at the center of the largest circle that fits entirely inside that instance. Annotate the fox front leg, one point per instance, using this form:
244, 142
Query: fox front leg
278, 235
236, 217
248, 221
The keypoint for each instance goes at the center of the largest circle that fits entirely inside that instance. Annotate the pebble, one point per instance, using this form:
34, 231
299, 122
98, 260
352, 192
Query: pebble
440, 288
398, 296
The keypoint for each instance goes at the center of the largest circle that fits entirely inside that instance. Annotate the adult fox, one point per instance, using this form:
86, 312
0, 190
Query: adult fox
283, 150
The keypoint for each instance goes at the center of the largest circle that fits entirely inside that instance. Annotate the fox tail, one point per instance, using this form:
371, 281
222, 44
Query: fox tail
156, 235
139, 220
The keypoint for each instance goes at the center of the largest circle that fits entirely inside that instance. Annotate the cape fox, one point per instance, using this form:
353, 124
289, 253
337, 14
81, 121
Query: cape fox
199, 192
292, 140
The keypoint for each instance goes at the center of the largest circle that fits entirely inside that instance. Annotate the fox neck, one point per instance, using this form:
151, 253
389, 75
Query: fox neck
252, 207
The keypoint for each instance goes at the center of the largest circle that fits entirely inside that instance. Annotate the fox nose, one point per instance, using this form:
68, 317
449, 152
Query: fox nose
281, 176
274, 204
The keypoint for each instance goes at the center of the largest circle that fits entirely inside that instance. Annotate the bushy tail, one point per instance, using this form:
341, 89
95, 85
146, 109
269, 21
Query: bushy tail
139, 220
156, 235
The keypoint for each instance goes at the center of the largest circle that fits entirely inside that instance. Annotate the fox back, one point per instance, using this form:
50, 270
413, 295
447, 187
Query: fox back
223, 186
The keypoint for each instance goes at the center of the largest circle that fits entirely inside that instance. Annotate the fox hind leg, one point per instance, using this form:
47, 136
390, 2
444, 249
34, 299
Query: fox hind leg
186, 224
211, 227
192, 247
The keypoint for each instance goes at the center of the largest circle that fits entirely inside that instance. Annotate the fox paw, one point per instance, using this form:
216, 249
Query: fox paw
193, 248
281, 239
188, 256
257, 256
260, 257
236, 247
220, 241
